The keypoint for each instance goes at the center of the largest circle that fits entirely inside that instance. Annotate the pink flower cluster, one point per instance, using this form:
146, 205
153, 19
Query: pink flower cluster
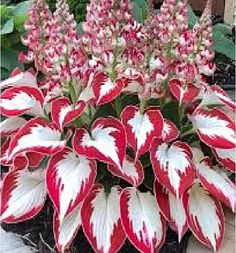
144, 56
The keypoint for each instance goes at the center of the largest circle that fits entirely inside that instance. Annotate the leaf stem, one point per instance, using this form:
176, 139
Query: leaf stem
142, 105
190, 131
118, 106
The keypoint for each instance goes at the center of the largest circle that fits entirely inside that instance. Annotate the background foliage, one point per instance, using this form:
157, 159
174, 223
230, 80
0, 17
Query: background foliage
14, 14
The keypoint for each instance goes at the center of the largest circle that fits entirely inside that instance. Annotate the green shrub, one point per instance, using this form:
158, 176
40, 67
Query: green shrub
77, 7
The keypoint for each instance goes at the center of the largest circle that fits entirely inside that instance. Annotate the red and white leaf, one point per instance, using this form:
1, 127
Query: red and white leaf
107, 141
172, 209
131, 171
65, 231
63, 112
105, 90
141, 128
10, 125
173, 166
214, 95
219, 185
28, 159
183, 92
100, 215
226, 157
205, 216
69, 179
37, 135
34, 158
133, 84
214, 128
19, 78
19, 162
87, 94
142, 220
4, 153
16, 101
23, 195
170, 132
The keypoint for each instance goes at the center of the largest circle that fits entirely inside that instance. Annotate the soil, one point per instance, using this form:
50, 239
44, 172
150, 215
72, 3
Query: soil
225, 73
38, 233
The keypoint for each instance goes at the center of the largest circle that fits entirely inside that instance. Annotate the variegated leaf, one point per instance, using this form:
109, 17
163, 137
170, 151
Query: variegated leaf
104, 89
205, 216
172, 209
87, 94
133, 84
37, 135
23, 195
11, 125
101, 221
183, 92
4, 154
63, 112
65, 230
19, 78
69, 179
226, 157
214, 128
16, 101
141, 128
142, 220
34, 158
131, 171
214, 95
107, 141
170, 132
173, 166
219, 185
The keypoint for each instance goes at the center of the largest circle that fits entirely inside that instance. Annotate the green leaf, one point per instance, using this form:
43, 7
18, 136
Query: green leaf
223, 28
137, 13
101, 171
21, 9
129, 99
5, 12
4, 74
192, 18
145, 160
7, 27
141, 3
9, 59
5, 42
105, 111
149, 178
222, 44
171, 111
80, 28
143, 7
19, 22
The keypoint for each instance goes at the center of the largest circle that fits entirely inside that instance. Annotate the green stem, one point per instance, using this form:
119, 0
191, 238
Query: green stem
118, 106
72, 93
190, 131
78, 123
142, 105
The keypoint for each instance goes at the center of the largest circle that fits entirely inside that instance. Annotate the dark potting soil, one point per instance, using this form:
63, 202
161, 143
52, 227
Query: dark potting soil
225, 73
38, 233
